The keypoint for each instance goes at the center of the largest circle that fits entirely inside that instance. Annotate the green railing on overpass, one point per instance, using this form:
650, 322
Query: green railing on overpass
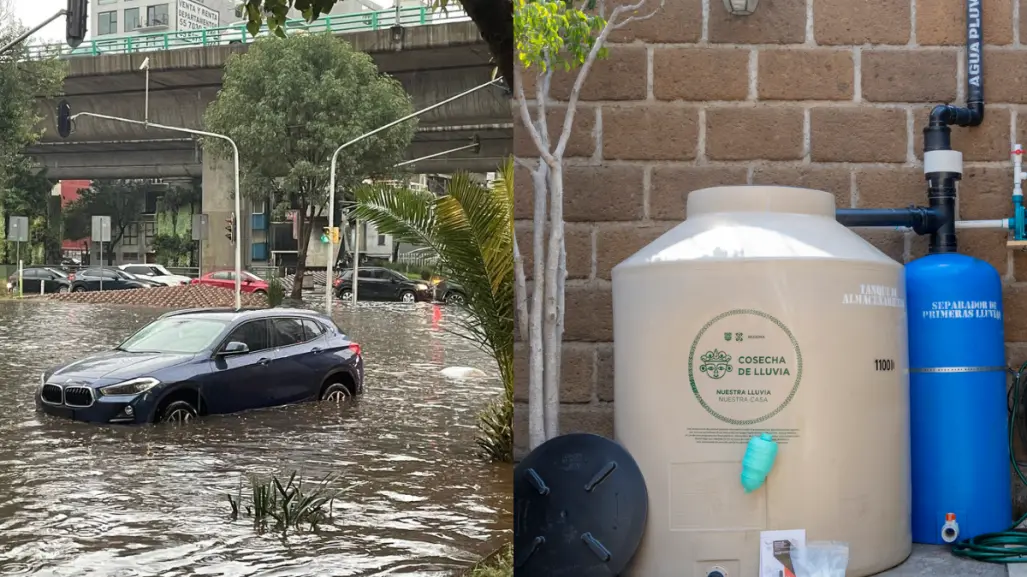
237, 33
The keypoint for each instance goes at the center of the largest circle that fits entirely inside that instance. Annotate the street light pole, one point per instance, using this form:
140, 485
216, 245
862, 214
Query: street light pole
32, 31
437, 154
331, 188
238, 200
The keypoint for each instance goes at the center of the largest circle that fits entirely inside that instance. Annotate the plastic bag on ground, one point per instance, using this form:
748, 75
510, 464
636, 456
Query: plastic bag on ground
821, 559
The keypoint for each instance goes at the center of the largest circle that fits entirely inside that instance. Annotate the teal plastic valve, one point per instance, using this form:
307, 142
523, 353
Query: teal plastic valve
758, 461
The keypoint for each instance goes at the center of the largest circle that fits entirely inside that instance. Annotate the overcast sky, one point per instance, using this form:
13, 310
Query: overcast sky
32, 12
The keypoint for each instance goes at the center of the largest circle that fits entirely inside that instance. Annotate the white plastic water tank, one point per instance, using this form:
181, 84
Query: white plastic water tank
761, 314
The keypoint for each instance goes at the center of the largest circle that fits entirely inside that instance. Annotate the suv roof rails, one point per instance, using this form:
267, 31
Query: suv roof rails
210, 310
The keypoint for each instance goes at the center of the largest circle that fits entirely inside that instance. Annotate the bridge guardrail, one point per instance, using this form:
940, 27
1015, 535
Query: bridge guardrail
237, 33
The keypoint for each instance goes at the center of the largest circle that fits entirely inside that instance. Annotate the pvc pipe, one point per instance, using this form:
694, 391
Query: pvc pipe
1002, 223
1018, 174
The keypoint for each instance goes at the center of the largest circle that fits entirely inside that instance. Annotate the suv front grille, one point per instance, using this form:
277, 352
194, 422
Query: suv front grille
78, 396
52, 394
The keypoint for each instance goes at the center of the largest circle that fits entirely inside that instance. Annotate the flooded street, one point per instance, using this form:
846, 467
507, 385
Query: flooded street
108, 501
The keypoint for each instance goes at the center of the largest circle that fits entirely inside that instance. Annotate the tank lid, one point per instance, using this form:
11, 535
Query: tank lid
761, 199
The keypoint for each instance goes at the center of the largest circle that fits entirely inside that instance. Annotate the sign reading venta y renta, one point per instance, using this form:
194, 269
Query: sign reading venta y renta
195, 16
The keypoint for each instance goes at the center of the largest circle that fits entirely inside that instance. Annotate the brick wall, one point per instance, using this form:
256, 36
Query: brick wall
827, 94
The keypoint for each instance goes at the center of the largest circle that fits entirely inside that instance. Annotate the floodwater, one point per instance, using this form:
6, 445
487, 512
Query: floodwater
116, 501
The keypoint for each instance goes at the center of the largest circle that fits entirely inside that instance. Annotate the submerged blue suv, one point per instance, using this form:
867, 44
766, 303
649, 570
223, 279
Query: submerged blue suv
208, 361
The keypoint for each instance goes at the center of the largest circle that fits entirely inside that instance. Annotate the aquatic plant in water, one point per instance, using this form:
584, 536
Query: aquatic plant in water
498, 564
281, 507
275, 292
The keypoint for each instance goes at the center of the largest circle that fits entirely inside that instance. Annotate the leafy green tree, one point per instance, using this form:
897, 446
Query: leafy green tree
471, 230
22, 191
289, 103
492, 17
122, 200
550, 35
26, 192
21, 82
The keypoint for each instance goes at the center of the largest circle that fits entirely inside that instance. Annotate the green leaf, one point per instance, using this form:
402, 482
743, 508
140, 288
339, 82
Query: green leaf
471, 231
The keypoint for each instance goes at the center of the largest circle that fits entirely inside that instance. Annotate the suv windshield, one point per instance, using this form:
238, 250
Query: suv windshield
180, 335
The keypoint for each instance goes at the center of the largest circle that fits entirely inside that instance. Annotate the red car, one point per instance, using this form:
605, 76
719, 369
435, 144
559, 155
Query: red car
251, 283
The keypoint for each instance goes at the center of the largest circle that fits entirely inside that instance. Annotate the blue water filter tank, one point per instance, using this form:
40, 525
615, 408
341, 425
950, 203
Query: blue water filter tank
959, 433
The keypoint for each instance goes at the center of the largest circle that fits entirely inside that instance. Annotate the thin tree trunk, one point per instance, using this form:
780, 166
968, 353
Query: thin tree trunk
520, 291
536, 404
306, 225
553, 346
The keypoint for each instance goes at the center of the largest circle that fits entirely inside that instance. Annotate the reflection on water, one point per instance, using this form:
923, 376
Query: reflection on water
86, 500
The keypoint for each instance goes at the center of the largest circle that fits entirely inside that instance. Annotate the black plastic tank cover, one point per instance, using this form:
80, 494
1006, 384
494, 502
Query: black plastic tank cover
580, 505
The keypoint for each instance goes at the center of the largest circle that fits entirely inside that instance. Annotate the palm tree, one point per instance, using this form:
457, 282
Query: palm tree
471, 230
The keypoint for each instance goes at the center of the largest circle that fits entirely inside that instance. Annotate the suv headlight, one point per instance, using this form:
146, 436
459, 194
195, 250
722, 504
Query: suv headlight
132, 387
421, 286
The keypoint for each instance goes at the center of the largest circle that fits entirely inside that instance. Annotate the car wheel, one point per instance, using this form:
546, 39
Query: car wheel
346, 294
455, 298
79, 289
178, 413
63, 290
408, 297
336, 393
260, 293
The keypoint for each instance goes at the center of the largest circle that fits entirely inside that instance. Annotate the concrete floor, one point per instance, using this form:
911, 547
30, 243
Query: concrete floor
937, 561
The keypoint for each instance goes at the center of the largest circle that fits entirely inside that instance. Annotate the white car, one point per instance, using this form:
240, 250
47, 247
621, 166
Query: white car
156, 273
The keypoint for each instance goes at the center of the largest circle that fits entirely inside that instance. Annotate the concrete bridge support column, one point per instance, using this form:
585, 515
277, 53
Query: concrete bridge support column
218, 202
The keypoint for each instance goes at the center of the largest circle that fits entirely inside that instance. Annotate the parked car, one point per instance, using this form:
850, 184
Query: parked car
381, 284
197, 362
38, 279
113, 279
157, 273
251, 283
450, 293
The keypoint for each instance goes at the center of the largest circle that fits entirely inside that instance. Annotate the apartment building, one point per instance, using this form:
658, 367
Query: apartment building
135, 17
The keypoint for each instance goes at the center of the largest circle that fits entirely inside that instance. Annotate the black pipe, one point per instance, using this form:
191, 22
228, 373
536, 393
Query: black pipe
922, 220
941, 185
973, 113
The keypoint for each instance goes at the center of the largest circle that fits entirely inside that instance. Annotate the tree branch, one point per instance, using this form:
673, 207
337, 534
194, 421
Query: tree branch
526, 117
639, 18
541, 96
579, 82
524, 163
520, 291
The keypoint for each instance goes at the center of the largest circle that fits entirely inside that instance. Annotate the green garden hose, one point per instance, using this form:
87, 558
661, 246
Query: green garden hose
1009, 546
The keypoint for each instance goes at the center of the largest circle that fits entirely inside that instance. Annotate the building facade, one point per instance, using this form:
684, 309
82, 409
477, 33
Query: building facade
136, 17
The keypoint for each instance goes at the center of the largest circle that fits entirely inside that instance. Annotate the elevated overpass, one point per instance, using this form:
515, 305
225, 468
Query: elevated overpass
433, 62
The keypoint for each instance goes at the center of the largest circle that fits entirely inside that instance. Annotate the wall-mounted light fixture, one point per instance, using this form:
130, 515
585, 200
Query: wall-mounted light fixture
741, 7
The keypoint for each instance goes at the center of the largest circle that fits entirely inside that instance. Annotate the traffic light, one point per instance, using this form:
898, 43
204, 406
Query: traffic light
477, 144
77, 20
326, 235
64, 119
230, 228
335, 235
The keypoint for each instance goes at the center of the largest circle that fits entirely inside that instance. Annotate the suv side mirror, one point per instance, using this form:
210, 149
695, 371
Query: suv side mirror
235, 348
